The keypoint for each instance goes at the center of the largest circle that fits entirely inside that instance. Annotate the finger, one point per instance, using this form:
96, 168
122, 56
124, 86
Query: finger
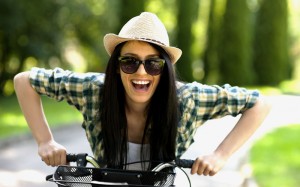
195, 165
212, 172
201, 168
63, 158
51, 158
207, 170
46, 160
194, 168
57, 159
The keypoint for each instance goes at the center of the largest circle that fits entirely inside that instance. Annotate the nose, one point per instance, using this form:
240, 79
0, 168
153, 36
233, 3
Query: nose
141, 70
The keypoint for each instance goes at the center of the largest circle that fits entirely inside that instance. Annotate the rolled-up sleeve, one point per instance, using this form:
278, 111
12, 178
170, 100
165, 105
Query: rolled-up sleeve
199, 103
208, 102
76, 88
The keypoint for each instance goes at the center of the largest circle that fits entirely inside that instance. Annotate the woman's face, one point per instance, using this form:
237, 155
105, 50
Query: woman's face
139, 86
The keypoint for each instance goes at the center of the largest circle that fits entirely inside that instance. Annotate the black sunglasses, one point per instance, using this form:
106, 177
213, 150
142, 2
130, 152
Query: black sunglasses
153, 66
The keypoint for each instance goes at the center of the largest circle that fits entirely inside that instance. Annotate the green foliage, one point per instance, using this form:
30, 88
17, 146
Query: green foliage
275, 158
135, 7
69, 34
84, 24
186, 17
290, 87
13, 123
211, 59
53, 33
29, 29
23, 34
271, 60
235, 44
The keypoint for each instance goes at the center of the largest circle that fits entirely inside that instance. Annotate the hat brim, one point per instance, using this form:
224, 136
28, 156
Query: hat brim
112, 40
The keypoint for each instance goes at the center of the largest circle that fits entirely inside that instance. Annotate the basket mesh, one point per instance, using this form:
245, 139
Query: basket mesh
85, 177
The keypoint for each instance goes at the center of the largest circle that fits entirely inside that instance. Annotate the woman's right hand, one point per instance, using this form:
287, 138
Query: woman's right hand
52, 153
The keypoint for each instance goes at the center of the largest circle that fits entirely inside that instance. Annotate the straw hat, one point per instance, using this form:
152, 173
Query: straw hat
145, 27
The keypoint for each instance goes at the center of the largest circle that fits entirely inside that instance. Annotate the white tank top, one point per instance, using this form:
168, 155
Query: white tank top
134, 155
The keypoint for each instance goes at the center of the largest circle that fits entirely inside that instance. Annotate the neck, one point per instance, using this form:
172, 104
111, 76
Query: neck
136, 120
137, 108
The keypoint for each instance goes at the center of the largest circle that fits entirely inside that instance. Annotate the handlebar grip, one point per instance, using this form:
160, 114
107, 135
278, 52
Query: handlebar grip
71, 157
184, 163
80, 158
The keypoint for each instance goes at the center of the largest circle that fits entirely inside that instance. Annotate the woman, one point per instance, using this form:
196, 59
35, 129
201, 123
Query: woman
139, 111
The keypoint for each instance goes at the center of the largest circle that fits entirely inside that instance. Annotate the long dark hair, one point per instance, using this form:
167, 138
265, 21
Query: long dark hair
162, 114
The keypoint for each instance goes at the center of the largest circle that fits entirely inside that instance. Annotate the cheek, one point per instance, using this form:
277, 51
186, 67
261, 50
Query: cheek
124, 78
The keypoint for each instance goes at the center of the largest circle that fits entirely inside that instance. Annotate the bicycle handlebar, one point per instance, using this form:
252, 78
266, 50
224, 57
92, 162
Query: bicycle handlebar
83, 158
84, 175
71, 157
184, 163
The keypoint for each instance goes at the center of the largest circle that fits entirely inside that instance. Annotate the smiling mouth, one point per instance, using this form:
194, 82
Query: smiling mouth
141, 85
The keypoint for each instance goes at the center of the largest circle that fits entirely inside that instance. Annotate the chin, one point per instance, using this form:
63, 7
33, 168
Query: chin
141, 100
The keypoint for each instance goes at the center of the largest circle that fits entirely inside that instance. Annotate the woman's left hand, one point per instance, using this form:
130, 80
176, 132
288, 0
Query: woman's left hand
208, 164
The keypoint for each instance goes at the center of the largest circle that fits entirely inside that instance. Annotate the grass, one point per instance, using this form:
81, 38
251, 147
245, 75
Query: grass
275, 158
13, 123
291, 87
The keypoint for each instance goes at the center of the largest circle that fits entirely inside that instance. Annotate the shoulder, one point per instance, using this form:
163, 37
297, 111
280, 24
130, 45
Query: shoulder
185, 89
199, 88
59, 74
213, 94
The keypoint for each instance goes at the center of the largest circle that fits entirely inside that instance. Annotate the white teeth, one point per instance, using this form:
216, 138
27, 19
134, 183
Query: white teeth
141, 82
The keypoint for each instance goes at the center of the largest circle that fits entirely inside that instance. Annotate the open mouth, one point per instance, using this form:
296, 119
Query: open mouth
141, 85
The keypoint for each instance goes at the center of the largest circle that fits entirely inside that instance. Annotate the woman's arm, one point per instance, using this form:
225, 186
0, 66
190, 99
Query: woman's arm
51, 152
250, 120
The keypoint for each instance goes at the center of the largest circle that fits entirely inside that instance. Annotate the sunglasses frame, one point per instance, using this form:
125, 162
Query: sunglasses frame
144, 62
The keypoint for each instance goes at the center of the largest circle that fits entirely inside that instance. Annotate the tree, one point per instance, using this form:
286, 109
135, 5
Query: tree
271, 43
235, 44
211, 59
135, 7
23, 34
84, 25
43, 31
187, 14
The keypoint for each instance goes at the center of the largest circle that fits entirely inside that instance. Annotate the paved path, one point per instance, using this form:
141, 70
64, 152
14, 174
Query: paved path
20, 165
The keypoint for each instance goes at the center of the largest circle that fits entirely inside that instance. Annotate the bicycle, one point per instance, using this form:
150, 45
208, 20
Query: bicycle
163, 175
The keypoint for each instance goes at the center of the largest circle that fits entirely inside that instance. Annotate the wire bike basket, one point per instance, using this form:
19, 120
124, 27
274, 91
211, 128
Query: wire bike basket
162, 175
74, 176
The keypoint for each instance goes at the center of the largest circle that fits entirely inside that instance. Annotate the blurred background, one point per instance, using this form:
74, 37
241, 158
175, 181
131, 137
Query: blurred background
250, 43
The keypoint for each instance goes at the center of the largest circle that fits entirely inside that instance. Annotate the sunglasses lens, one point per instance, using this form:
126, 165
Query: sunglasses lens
128, 65
154, 66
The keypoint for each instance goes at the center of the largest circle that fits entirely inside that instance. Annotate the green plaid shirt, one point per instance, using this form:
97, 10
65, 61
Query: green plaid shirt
197, 102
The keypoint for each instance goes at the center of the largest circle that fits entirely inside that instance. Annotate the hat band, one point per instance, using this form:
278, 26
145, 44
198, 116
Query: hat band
151, 40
